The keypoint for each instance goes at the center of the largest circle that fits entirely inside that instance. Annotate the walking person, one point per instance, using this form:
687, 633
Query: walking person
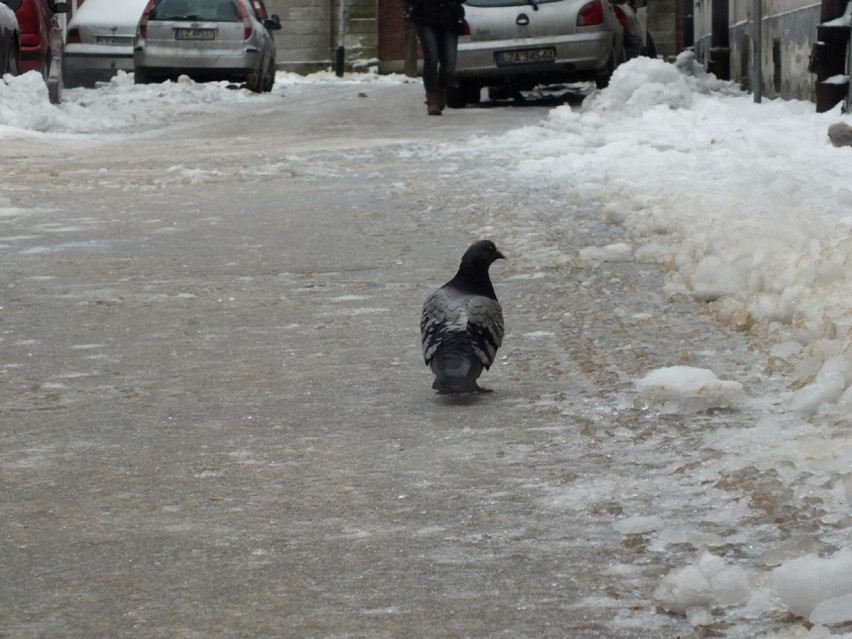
438, 23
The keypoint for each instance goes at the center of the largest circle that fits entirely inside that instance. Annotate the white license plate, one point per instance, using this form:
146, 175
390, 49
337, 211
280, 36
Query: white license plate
114, 41
195, 34
525, 56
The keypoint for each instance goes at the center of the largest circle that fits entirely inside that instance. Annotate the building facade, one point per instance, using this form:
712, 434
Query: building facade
789, 31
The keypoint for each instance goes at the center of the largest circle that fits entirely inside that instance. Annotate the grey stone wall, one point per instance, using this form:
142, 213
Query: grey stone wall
661, 25
309, 35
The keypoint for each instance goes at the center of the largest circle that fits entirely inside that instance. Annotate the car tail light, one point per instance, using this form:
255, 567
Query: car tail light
73, 36
142, 29
247, 28
30, 40
591, 13
622, 17
465, 29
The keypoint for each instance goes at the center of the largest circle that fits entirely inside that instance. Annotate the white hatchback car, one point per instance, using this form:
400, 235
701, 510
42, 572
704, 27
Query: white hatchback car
518, 44
99, 41
206, 40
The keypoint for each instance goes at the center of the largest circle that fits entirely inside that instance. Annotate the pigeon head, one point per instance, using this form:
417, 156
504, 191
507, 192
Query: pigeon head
481, 254
472, 276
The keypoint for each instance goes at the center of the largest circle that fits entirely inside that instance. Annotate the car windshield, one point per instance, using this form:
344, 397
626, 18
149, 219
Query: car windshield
213, 10
14, 5
506, 3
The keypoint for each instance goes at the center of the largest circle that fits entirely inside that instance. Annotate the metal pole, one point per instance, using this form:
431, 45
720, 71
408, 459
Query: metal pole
341, 35
757, 50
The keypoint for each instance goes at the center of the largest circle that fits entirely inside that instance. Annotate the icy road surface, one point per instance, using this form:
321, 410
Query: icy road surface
215, 420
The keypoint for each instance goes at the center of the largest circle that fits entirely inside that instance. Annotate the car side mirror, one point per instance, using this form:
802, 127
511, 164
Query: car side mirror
57, 6
273, 22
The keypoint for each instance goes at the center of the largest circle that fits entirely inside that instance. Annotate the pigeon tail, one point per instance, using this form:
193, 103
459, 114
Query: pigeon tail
456, 367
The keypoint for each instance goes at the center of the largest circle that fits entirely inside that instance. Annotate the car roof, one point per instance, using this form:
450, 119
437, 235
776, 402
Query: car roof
109, 12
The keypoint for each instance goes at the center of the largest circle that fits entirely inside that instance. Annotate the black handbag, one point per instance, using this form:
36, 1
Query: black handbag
452, 16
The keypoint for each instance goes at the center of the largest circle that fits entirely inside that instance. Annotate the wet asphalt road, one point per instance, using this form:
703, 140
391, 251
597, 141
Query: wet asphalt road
215, 421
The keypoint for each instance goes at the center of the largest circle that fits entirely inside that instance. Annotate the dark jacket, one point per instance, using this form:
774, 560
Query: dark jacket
438, 14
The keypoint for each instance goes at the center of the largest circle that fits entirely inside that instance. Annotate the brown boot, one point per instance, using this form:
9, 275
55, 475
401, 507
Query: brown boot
432, 103
442, 98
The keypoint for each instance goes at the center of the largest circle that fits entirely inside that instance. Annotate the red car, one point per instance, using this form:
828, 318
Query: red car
41, 40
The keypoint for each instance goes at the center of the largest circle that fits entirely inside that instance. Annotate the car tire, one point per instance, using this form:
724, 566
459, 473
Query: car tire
141, 77
254, 80
603, 78
269, 77
464, 93
13, 61
650, 49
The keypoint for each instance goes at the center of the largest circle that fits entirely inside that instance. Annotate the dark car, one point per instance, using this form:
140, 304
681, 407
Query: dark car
41, 40
10, 42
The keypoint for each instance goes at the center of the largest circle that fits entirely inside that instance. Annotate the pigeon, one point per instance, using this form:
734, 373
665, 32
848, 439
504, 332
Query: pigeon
461, 326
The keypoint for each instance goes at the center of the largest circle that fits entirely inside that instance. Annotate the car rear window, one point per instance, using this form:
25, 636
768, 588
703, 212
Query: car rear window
213, 10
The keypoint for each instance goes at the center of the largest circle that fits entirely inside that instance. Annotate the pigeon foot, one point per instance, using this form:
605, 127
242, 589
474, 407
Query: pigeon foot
482, 389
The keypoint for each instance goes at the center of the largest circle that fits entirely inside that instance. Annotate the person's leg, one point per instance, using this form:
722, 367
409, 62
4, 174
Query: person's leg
447, 53
429, 43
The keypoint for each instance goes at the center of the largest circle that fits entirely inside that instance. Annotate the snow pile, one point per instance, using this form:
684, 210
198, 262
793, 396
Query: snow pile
707, 584
818, 589
121, 105
684, 388
746, 206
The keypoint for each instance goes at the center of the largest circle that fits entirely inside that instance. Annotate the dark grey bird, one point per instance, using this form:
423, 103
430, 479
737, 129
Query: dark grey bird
461, 326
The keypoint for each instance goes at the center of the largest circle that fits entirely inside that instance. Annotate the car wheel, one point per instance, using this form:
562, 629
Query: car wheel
254, 81
650, 49
141, 77
603, 78
466, 92
269, 77
13, 60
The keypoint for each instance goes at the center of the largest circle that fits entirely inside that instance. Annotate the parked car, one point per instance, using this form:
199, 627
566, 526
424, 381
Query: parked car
10, 42
519, 44
206, 40
634, 20
99, 41
41, 40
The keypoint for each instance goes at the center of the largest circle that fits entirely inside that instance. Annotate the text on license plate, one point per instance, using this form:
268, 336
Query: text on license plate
525, 56
114, 41
195, 34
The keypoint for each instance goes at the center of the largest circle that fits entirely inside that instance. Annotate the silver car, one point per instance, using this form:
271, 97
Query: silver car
10, 42
99, 41
206, 40
518, 44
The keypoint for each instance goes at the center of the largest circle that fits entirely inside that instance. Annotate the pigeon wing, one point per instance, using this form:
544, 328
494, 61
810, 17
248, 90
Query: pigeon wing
485, 327
439, 313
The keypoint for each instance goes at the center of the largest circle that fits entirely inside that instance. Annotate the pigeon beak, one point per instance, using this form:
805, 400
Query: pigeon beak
500, 256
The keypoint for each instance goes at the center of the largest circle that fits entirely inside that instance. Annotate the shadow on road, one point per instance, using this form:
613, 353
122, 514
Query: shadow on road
544, 96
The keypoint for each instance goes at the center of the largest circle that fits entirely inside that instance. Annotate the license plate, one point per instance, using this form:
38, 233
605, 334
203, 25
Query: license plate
114, 41
195, 34
525, 56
